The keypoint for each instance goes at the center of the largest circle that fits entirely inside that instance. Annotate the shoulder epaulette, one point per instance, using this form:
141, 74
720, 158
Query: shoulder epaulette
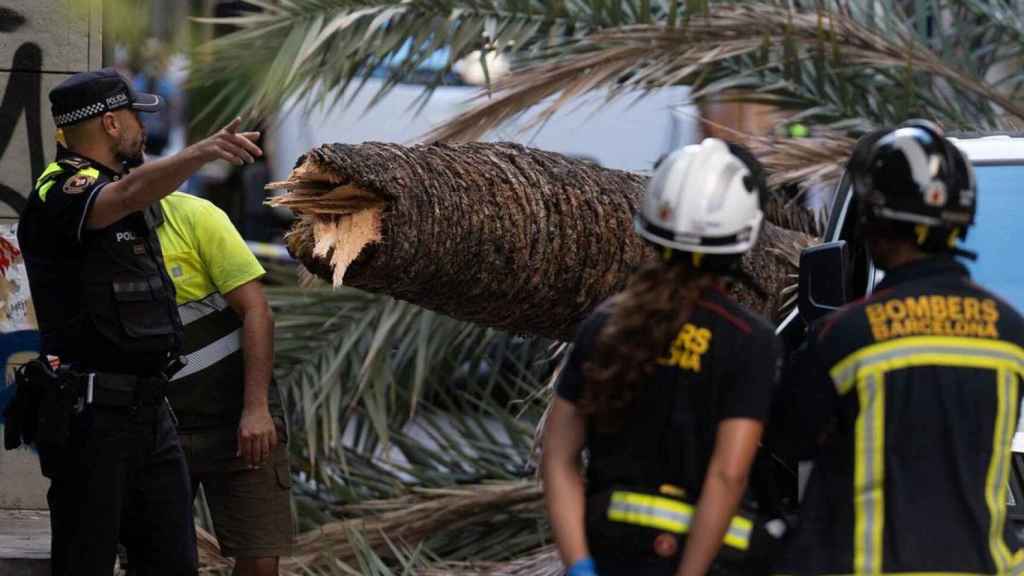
74, 162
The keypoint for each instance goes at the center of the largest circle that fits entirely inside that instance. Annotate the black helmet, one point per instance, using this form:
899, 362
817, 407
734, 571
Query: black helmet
912, 174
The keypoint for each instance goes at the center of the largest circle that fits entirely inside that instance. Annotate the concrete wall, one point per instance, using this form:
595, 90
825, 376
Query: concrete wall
42, 42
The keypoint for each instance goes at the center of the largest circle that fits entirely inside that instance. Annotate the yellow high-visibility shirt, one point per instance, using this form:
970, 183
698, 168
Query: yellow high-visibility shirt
203, 251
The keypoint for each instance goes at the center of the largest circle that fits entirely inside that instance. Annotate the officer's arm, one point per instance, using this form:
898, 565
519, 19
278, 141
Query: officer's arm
152, 181
563, 484
256, 434
726, 480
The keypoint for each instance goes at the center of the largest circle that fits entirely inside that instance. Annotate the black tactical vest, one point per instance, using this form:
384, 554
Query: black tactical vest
128, 295
107, 303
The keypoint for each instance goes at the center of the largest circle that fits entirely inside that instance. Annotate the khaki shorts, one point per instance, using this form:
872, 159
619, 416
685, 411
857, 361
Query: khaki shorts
251, 509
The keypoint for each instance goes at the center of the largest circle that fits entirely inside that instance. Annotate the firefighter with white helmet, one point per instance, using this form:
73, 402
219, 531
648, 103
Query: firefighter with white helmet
668, 387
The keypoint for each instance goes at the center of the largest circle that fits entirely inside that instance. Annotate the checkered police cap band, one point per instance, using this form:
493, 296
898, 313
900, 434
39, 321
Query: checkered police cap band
119, 100
76, 116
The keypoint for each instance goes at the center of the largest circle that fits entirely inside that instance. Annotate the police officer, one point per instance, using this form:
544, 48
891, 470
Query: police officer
667, 387
909, 398
106, 311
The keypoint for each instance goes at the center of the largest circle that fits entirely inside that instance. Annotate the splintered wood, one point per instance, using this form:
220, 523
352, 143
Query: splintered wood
346, 236
345, 218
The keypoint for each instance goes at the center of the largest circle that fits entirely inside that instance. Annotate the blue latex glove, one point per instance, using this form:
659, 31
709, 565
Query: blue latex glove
583, 567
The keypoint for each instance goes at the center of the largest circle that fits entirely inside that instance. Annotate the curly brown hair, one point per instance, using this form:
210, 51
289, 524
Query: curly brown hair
644, 320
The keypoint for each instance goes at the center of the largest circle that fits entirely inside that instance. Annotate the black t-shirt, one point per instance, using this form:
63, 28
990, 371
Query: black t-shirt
724, 363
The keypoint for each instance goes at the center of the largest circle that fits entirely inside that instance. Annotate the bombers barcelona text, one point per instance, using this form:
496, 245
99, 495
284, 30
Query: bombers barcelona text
934, 315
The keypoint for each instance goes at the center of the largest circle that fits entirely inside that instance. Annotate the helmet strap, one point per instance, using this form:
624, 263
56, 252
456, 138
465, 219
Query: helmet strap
956, 251
953, 235
696, 258
921, 230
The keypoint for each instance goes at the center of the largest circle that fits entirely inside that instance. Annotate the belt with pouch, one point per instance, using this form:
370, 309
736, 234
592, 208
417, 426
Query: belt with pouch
47, 399
120, 390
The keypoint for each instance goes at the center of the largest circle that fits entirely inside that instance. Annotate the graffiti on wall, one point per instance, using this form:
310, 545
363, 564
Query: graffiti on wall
19, 338
21, 99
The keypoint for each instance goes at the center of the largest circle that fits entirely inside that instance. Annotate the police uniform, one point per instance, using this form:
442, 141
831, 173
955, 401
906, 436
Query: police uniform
105, 307
644, 478
207, 258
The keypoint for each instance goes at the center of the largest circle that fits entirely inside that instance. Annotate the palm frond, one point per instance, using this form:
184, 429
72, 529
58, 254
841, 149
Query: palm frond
344, 353
328, 47
540, 562
758, 52
413, 520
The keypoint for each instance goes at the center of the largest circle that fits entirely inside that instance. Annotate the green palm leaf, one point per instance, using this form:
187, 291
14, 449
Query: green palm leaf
766, 53
326, 47
346, 353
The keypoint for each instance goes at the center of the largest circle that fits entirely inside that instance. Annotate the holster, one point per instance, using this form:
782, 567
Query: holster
21, 413
41, 409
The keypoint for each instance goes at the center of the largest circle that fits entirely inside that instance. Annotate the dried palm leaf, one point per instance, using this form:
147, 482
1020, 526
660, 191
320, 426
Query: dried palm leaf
646, 58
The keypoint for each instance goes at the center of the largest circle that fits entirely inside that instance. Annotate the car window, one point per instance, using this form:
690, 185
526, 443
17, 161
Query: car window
996, 236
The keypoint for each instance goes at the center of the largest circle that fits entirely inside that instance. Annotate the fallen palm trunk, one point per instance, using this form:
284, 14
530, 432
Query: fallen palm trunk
498, 234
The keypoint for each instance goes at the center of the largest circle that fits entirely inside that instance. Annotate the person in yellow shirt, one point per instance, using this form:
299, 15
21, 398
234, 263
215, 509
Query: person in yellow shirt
230, 418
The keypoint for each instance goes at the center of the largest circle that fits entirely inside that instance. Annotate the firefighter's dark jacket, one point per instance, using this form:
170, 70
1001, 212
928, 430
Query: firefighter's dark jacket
723, 364
911, 399
102, 297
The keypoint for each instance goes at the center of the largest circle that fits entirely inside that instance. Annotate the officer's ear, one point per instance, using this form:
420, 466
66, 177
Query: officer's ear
111, 124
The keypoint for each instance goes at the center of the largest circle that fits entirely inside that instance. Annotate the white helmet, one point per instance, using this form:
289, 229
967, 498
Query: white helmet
704, 198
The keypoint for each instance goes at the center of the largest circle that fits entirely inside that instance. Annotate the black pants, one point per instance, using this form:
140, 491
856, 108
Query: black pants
122, 474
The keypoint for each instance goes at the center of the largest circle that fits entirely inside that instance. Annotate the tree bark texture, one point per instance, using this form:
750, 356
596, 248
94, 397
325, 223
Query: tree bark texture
499, 234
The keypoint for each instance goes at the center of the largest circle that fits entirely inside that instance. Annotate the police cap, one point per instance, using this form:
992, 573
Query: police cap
89, 94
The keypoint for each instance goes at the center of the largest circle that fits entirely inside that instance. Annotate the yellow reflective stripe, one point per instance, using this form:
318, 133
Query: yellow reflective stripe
1018, 562
922, 350
650, 511
50, 169
45, 180
869, 474
670, 515
996, 480
44, 189
738, 534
